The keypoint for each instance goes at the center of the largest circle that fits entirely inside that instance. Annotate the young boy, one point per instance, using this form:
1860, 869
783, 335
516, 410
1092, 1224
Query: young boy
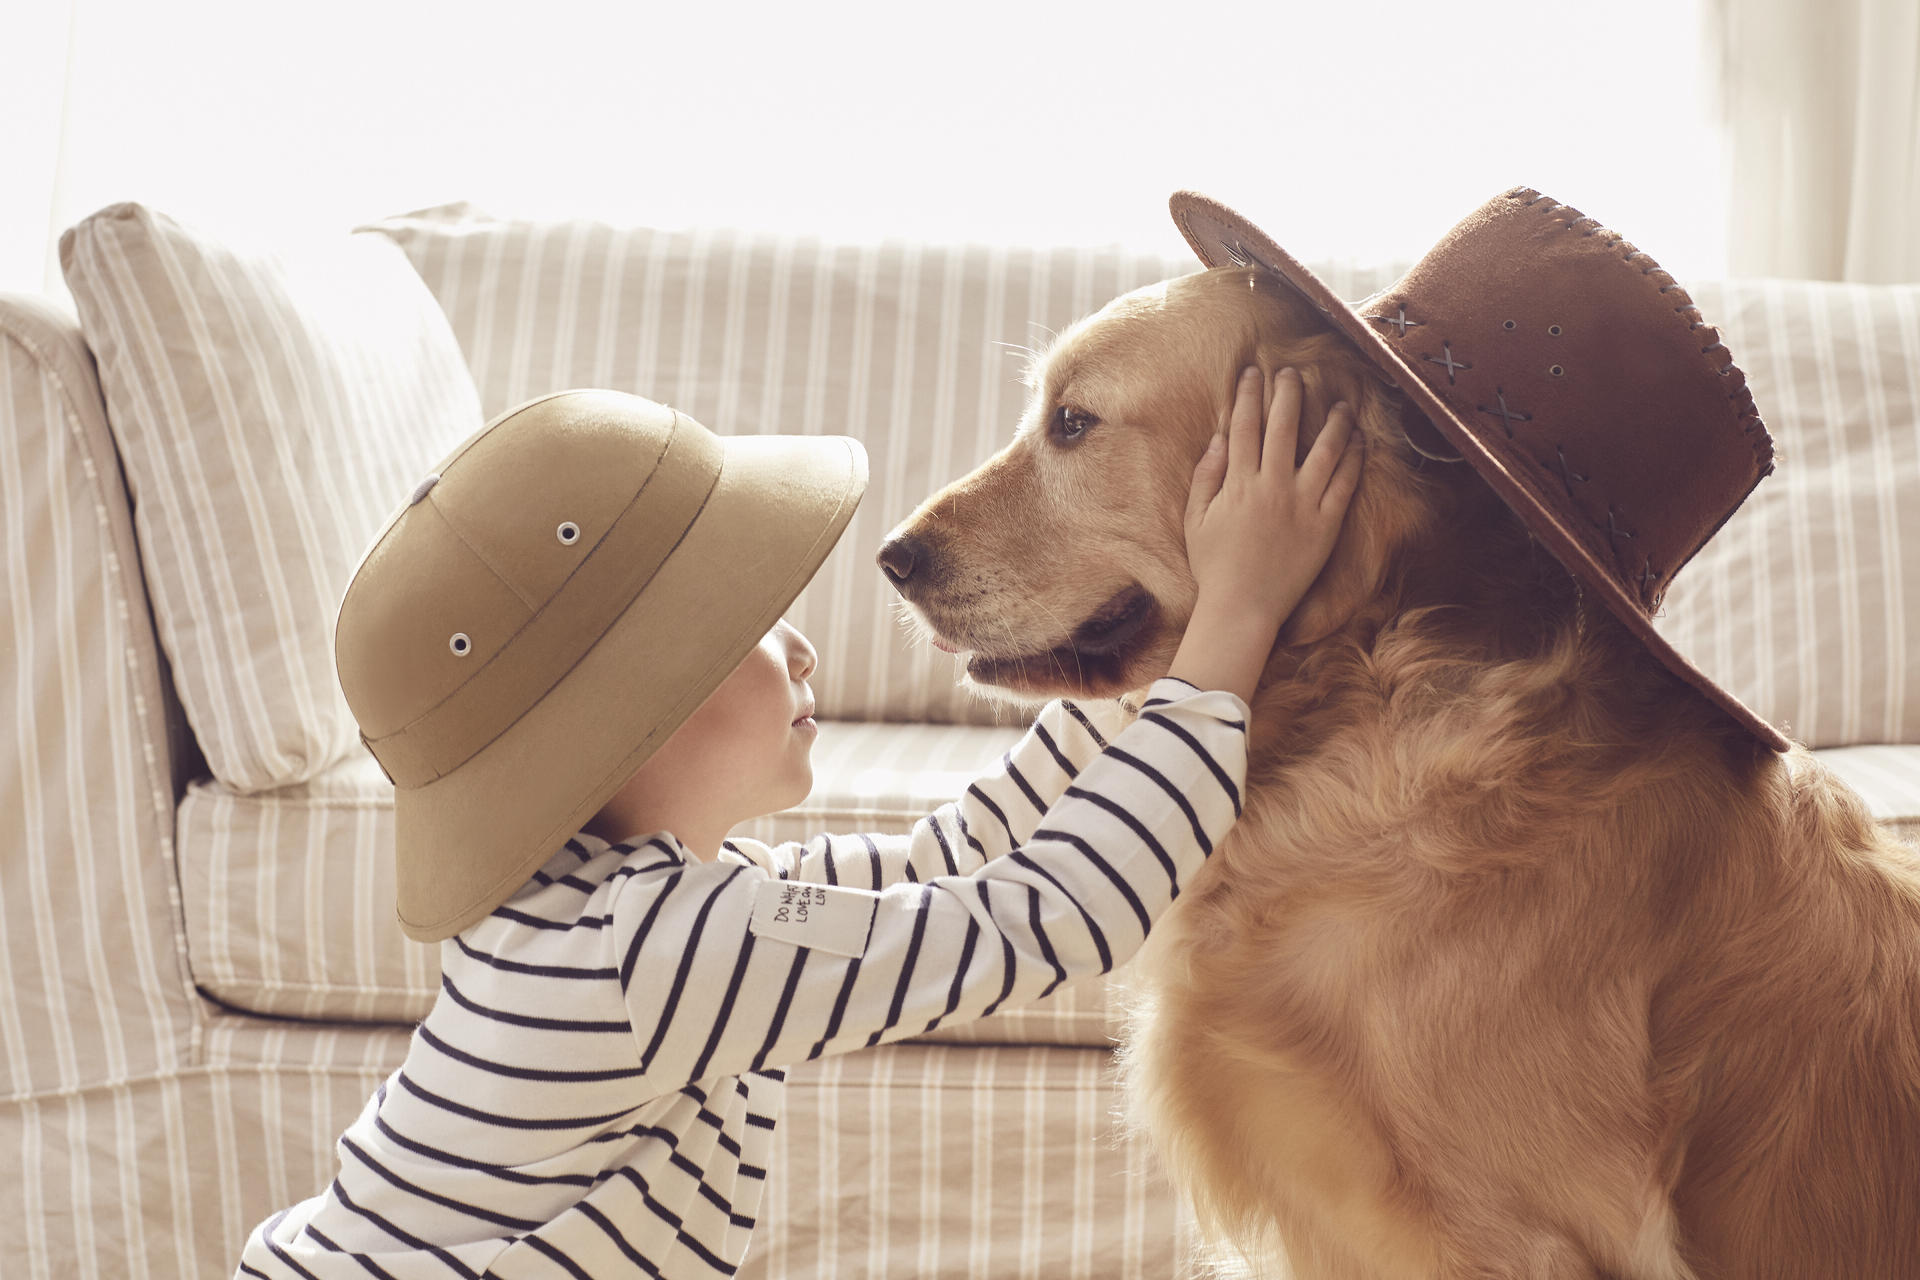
566, 651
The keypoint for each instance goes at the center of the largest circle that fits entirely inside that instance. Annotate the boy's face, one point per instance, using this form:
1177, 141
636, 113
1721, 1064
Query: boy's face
744, 753
754, 735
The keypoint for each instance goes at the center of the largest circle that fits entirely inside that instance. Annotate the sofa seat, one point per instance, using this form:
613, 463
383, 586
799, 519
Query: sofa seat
1887, 778
307, 930
932, 1161
288, 894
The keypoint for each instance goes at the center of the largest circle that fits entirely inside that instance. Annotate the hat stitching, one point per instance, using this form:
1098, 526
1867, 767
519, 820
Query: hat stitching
1614, 531
1568, 476
1450, 363
1401, 321
1508, 416
1749, 421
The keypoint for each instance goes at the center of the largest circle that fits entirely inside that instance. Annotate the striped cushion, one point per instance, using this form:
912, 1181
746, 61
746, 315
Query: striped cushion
917, 349
1807, 604
271, 409
288, 894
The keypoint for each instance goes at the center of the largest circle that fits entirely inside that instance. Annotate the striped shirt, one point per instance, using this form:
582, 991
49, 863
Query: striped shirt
594, 1092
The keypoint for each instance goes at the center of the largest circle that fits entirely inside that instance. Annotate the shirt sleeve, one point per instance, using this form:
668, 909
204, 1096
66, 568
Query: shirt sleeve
727, 968
997, 812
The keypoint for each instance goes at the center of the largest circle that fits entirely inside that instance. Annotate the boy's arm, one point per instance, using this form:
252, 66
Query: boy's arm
995, 814
727, 969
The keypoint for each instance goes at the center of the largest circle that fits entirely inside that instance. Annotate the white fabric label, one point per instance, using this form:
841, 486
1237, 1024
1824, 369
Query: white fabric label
822, 917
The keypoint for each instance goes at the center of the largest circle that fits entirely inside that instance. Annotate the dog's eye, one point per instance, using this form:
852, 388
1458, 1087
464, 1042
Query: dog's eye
1071, 425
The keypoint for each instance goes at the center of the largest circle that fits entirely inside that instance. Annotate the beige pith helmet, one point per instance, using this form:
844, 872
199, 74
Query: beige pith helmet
551, 603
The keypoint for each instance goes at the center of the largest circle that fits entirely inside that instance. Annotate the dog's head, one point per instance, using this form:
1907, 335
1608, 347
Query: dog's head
1059, 566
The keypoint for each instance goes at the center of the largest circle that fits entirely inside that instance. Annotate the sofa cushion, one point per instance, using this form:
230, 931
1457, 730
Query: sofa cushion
288, 894
1806, 605
917, 349
271, 408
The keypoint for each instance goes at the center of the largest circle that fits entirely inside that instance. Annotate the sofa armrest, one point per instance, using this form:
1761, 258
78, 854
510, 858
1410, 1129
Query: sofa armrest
92, 959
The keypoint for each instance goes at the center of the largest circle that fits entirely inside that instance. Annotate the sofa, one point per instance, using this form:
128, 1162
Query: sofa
201, 980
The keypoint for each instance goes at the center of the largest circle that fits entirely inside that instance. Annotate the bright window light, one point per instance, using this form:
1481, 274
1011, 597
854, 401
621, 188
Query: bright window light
1362, 130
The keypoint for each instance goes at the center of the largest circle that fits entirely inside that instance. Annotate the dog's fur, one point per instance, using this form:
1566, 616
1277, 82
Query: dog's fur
1525, 960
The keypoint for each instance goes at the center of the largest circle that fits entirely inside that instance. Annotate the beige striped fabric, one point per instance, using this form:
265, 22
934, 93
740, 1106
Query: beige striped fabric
94, 990
1806, 605
307, 930
97, 1011
917, 349
927, 1161
272, 410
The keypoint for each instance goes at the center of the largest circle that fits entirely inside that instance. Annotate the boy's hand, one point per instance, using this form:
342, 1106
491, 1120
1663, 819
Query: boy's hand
1258, 530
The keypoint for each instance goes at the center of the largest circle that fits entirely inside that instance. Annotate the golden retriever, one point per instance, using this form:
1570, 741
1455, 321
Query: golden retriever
1525, 960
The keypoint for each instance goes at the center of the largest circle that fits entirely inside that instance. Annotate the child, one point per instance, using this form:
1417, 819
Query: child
566, 651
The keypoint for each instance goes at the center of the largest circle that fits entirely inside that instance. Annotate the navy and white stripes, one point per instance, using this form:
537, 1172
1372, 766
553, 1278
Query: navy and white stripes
595, 1091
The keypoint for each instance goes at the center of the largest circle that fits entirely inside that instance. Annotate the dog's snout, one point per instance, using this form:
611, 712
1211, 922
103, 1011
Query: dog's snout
902, 557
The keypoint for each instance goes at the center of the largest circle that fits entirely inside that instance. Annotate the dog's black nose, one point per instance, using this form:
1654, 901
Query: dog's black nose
898, 556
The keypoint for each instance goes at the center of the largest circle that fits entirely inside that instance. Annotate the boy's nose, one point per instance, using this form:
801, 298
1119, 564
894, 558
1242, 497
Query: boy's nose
801, 658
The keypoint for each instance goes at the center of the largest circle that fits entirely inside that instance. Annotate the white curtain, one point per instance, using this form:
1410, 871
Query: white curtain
1821, 106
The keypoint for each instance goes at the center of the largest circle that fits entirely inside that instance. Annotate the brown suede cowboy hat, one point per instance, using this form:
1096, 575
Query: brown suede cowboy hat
550, 604
1573, 374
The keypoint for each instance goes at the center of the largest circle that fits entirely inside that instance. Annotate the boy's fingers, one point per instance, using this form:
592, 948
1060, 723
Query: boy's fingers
1326, 452
1207, 475
1243, 432
1346, 478
1283, 422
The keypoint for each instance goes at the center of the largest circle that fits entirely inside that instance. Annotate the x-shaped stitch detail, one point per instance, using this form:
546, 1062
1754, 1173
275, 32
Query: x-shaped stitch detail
1400, 321
1614, 531
1568, 476
1449, 362
1507, 416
